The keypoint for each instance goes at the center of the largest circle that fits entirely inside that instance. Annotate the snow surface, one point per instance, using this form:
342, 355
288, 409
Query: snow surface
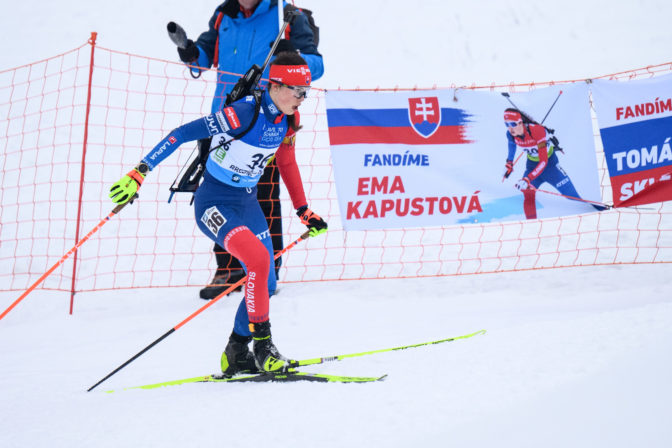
572, 357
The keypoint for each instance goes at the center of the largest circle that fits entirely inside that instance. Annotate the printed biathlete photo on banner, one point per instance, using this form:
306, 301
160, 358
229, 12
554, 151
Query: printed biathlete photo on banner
442, 157
635, 120
540, 147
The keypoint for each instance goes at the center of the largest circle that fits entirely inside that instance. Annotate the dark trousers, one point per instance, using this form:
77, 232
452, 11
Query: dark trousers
268, 193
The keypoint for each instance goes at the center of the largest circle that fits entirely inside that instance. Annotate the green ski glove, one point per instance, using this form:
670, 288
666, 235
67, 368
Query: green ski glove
312, 220
126, 188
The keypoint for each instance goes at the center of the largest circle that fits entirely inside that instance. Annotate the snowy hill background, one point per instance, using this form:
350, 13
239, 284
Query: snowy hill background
382, 42
572, 357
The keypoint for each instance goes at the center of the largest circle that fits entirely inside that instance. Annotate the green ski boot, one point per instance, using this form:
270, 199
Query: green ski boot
266, 353
237, 357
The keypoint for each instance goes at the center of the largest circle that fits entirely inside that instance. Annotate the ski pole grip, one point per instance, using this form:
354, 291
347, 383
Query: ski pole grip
177, 34
120, 207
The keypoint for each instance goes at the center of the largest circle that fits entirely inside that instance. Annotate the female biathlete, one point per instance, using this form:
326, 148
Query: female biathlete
542, 160
226, 206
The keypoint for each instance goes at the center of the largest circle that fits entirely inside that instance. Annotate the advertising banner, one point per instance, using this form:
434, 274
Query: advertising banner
635, 119
439, 157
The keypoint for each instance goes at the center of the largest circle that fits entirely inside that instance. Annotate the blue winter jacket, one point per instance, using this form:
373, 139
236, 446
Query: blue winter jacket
247, 41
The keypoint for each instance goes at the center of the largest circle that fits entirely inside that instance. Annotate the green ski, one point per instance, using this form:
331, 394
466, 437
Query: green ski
291, 376
294, 375
309, 362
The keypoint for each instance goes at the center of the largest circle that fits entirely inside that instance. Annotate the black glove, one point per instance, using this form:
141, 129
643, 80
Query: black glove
189, 54
312, 220
283, 45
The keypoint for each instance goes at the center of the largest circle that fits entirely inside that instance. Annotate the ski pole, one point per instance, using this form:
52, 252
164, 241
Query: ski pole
552, 106
601, 204
309, 362
196, 313
79, 243
508, 97
588, 201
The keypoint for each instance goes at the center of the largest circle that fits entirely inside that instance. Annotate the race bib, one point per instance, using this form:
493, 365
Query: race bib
213, 220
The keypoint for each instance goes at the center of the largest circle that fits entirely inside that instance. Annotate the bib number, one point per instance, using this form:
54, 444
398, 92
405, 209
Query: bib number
259, 161
213, 220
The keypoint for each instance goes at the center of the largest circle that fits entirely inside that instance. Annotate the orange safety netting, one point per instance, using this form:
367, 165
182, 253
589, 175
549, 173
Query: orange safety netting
73, 124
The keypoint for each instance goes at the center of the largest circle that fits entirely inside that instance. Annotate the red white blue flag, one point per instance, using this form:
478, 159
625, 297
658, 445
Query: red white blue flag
423, 121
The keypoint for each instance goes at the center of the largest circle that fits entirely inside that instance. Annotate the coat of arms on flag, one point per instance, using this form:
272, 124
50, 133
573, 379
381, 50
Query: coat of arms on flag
425, 115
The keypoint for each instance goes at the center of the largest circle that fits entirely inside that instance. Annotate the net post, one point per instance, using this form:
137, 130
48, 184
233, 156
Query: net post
92, 42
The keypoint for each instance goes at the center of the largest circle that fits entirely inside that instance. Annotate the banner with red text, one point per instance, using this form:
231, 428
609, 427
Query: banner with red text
635, 119
437, 157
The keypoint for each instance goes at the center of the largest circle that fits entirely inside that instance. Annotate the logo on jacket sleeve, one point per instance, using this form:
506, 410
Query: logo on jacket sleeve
425, 115
232, 117
223, 125
212, 126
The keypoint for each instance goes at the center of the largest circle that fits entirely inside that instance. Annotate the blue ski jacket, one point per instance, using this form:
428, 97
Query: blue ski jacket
240, 162
247, 41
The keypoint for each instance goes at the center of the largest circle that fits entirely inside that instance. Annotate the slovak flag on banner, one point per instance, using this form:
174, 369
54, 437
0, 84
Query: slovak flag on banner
421, 121
635, 119
425, 115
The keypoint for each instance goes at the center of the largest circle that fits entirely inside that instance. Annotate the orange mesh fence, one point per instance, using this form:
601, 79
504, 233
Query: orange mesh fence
55, 186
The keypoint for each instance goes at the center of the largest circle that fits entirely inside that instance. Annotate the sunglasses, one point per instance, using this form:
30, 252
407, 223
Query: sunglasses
299, 91
512, 124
